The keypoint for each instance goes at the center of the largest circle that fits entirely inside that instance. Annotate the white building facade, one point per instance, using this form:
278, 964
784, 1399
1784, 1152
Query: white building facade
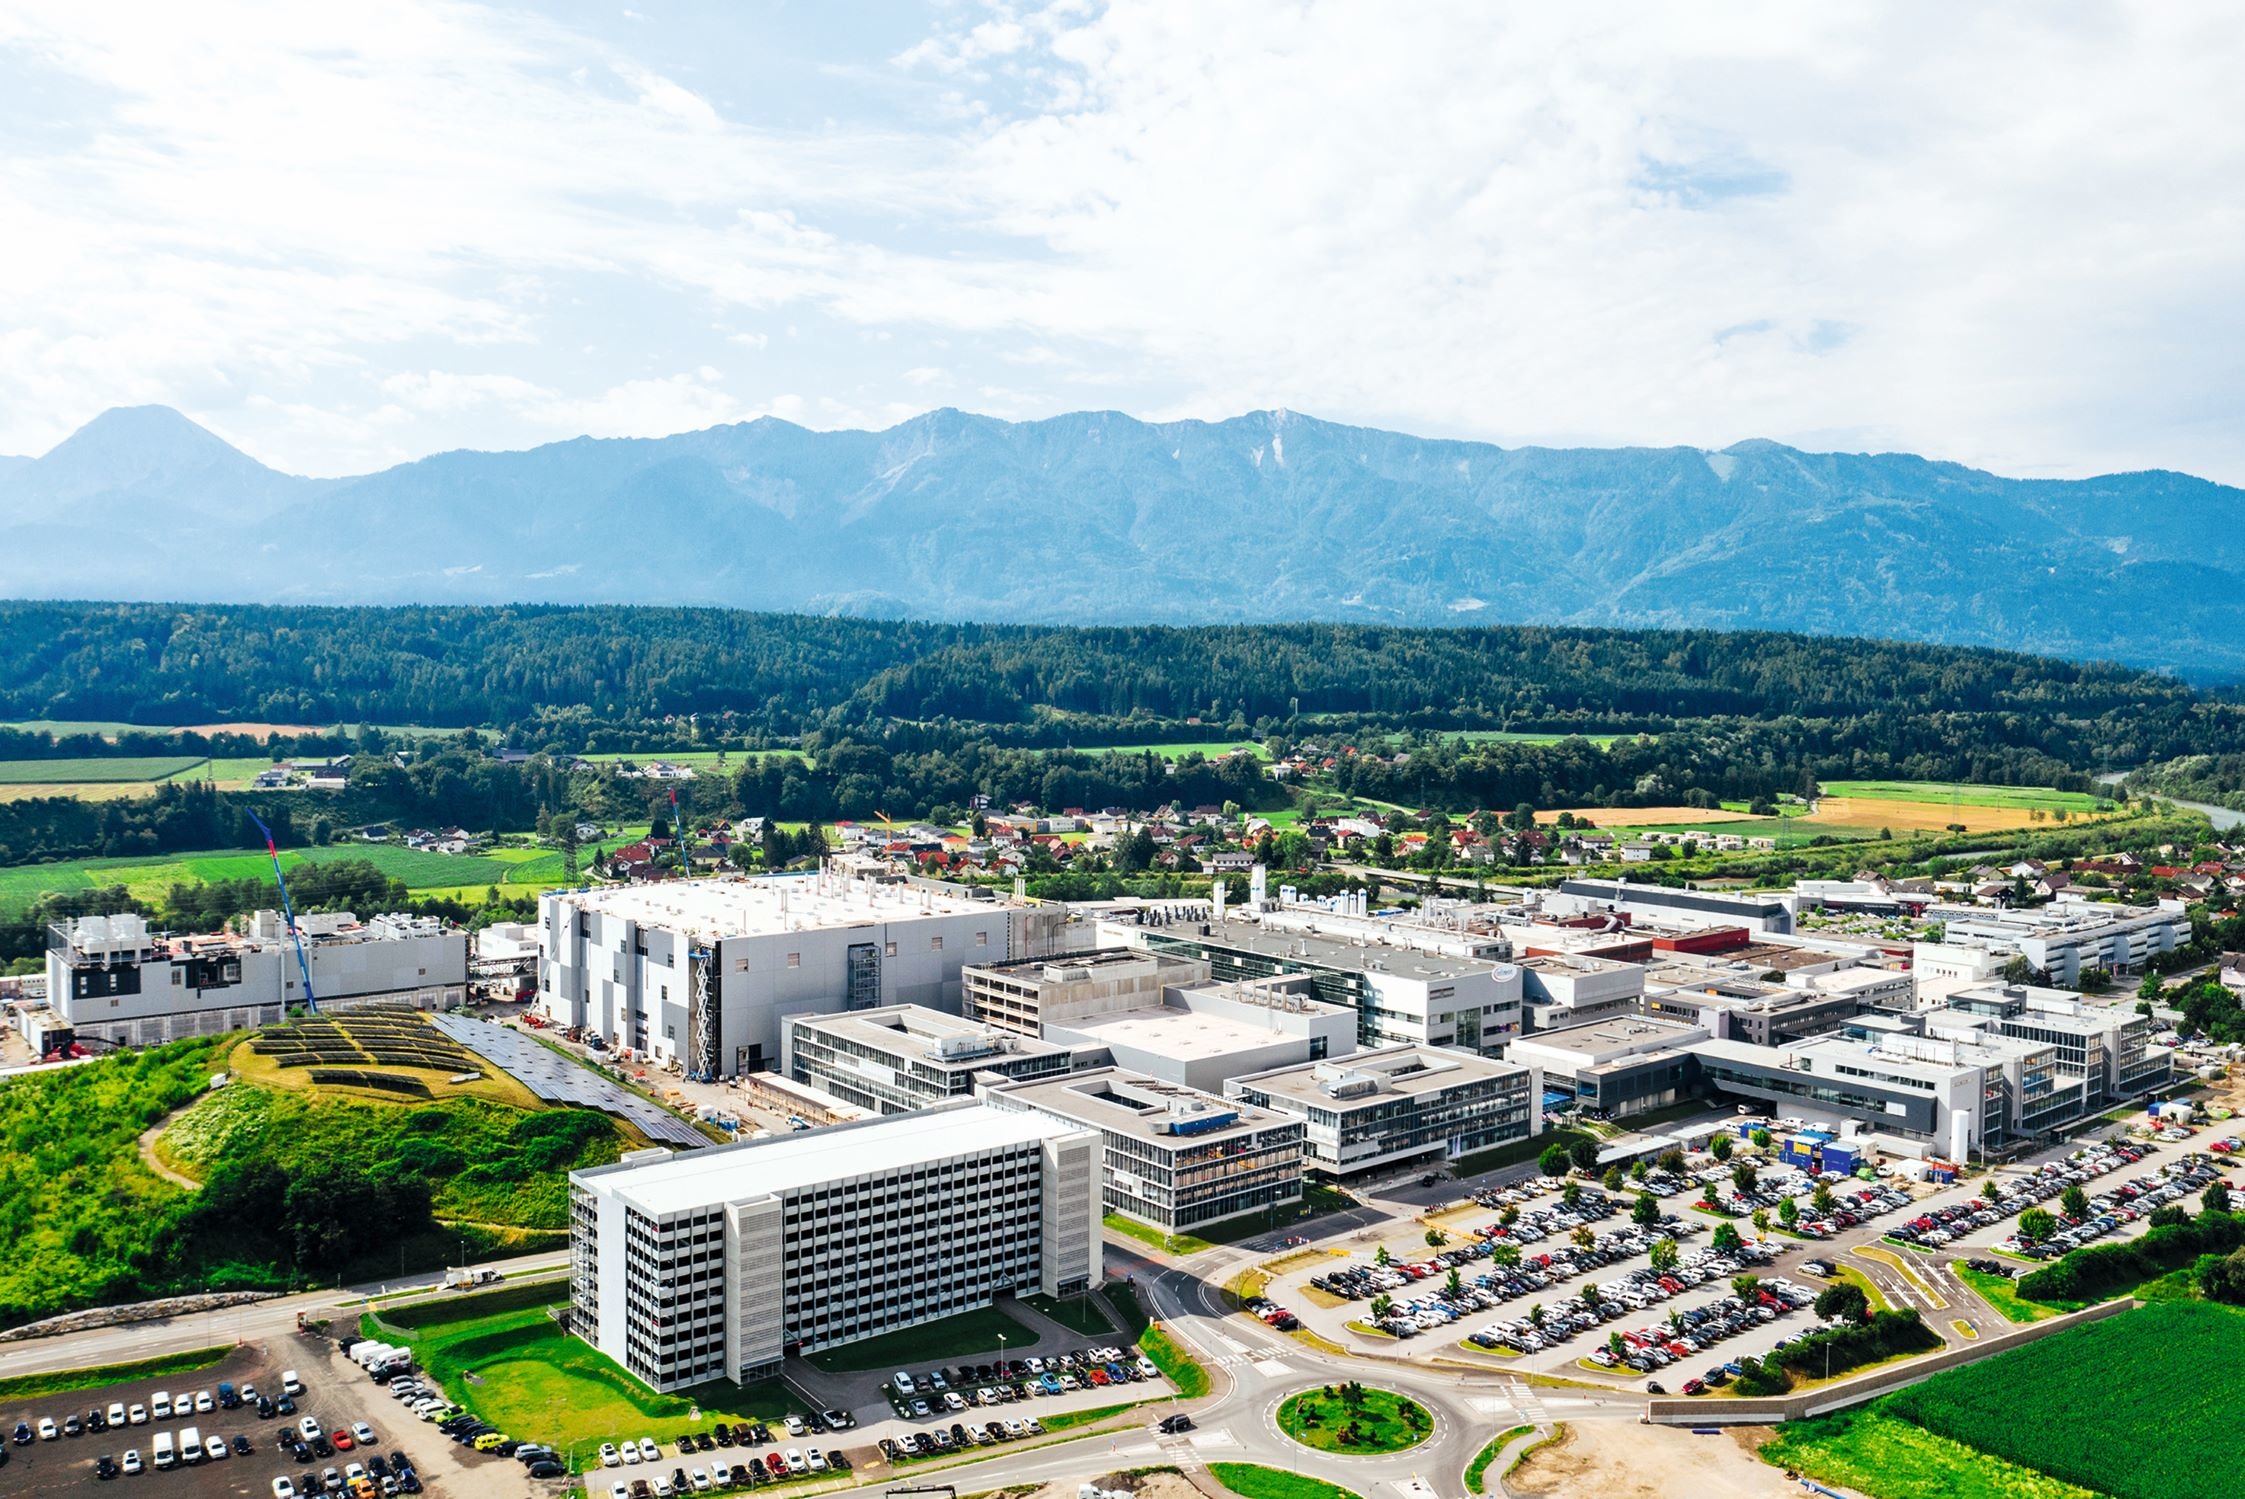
720, 1264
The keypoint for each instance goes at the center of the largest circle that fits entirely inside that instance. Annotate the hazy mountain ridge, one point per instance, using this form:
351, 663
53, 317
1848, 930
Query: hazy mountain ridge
1096, 516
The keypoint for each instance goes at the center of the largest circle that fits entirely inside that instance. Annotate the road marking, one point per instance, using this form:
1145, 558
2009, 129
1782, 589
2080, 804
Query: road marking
1274, 1368
1234, 1344
1891, 1260
1220, 1437
1964, 1327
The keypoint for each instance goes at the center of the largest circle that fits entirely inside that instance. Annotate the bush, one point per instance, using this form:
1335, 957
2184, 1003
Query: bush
1882, 1336
2105, 1270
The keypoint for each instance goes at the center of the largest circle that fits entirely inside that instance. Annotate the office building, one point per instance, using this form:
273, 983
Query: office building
1622, 1066
904, 1057
111, 978
706, 971
1172, 1157
1029, 995
1200, 1036
1400, 997
2070, 935
2111, 1048
1738, 1006
1953, 1095
1559, 990
720, 1263
1399, 1105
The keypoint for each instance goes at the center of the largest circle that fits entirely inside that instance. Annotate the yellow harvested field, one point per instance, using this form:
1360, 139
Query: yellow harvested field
1923, 817
1648, 817
85, 791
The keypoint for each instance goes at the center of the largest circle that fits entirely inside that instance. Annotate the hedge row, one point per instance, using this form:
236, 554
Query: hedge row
2104, 1270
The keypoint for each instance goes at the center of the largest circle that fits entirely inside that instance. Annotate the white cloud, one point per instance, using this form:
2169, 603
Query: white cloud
2007, 235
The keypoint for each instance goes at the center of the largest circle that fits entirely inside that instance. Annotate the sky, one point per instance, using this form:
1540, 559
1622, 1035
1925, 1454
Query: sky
341, 237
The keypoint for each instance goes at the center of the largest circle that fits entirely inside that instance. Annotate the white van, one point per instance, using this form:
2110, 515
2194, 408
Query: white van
290, 1384
165, 1455
161, 1405
190, 1445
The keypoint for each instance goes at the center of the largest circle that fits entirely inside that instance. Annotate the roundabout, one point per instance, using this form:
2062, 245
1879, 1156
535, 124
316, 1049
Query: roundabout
1353, 1419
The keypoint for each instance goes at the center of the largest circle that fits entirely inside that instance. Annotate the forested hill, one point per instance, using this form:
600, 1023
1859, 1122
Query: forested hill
780, 675
1095, 516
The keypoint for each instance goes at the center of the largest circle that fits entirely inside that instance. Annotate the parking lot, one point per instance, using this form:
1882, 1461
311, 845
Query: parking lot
336, 1396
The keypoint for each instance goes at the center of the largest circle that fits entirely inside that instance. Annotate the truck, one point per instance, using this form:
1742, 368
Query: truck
165, 1454
191, 1445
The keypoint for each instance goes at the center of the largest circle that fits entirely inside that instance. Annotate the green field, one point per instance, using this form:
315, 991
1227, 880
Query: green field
1509, 736
1207, 749
1891, 1459
95, 770
148, 879
1254, 1481
1790, 832
2024, 798
537, 1383
1380, 1421
2136, 1406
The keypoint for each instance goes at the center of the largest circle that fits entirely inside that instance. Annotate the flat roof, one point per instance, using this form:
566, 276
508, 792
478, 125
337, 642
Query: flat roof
1185, 1035
809, 1158
1133, 1104
721, 908
1096, 962
1404, 1070
922, 1034
1329, 952
1601, 1036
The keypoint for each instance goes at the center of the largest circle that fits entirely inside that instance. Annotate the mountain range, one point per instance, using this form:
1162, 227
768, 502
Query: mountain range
1096, 517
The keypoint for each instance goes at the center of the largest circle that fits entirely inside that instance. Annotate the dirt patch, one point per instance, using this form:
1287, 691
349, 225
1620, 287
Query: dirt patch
1926, 817
1167, 1485
1617, 1460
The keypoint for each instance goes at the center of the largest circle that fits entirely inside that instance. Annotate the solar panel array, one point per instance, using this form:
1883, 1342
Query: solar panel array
557, 1079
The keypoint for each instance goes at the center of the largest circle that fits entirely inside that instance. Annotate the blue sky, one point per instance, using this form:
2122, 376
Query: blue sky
2008, 236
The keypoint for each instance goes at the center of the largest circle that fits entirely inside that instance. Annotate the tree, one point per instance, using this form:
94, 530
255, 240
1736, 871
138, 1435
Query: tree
1382, 1304
1553, 1161
1744, 1177
2215, 1199
1571, 1194
1535, 1315
1761, 1221
1992, 1190
2074, 1203
2222, 1277
2037, 1225
1664, 1255
1584, 1236
1788, 1212
1672, 1162
1453, 1286
1761, 1138
1584, 1153
1645, 1211
1726, 1239
1504, 1256
1720, 1146
1744, 1286
1843, 1301
1616, 1345
1510, 1215
1822, 1199
1381, 1257
1639, 1169
1436, 1238
1590, 1295
1613, 1179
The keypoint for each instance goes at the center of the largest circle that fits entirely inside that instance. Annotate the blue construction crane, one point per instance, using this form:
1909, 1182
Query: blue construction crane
310, 1002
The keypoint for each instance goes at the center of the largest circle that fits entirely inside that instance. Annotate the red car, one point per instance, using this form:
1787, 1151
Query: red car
775, 1464
341, 1439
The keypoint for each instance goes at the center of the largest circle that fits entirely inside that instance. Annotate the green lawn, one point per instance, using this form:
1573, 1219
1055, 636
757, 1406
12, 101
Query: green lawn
149, 878
1176, 1365
2031, 798
2001, 1293
1891, 1459
1380, 1421
99, 768
1790, 832
941, 1342
1254, 1481
537, 1383
1207, 749
1477, 1470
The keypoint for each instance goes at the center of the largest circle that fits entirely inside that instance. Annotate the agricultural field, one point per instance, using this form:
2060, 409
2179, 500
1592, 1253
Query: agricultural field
1614, 819
2136, 1406
149, 878
109, 728
1207, 749
1509, 736
96, 769
2024, 798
